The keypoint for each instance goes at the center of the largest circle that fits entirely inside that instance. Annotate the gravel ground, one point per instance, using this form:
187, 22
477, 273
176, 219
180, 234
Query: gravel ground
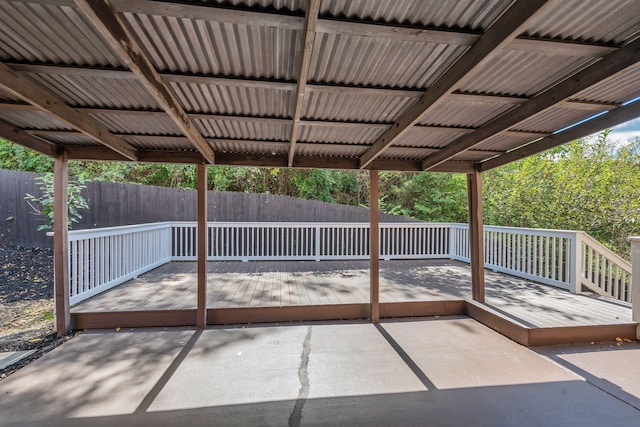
26, 302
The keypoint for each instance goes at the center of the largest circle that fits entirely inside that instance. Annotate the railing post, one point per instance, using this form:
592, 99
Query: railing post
635, 281
575, 264
451, 240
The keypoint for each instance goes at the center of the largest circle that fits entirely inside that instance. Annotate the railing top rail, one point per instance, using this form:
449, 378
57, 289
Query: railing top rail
111, 231
532, 231
608, 253
315, 224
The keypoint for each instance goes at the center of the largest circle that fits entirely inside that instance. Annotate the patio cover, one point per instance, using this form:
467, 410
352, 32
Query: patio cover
396, 85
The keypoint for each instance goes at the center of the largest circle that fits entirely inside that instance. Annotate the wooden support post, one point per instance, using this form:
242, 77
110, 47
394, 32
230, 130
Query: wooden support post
201, 320
476, 233
61, 244
635, 282
374, 249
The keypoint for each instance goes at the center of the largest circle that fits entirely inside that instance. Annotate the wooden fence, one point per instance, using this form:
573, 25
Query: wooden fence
113, 204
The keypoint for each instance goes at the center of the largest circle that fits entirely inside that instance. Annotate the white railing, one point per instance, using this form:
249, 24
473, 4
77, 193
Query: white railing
233, 241
102, 258
603, 271
541, 255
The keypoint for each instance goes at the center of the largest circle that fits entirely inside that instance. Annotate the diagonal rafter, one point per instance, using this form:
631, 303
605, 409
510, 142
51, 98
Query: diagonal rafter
607, 66
612, 118
11, 133
44, 100
108, 24
309, 35
503, 31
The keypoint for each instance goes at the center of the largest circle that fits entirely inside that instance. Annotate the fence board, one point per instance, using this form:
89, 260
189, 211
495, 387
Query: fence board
114, 204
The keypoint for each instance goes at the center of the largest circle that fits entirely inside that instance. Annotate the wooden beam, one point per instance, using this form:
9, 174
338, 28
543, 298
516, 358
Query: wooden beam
501, 32
209, 13
607, 66
108, 24
201, 311
612, 118
354, 28
476, 234
23, 88
61, 244
13, 134
345, 89
308, 38
374, 247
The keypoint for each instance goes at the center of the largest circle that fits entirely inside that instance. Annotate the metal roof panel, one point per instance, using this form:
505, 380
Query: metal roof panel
369, 61
49, 33
469, 14
354, 107
234, 100
603, 21
198, 46
234, 129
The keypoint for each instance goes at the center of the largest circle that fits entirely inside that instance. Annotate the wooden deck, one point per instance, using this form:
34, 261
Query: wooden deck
294, 283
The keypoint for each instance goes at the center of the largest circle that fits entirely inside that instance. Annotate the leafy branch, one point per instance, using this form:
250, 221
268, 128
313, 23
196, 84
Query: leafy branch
43, 205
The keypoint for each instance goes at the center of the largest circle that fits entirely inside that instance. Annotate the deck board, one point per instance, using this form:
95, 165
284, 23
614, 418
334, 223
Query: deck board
284, 283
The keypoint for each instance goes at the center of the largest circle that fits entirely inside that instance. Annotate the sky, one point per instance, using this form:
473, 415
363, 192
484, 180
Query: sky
626, 131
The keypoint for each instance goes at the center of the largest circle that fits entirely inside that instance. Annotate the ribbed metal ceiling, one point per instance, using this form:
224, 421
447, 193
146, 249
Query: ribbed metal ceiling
232, 68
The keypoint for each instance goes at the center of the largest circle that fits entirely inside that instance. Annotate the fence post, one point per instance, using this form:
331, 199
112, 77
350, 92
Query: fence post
575, 264
635, 281
317, 243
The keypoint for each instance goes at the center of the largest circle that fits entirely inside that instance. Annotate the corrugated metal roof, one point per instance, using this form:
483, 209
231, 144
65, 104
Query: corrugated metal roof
250, 147
197, 46
406, 153
554, 119
368, 61
137, 123
80, 91
523, 73
330, 150
464, 114
474, 15
340, 134
279, 5
233, 66
474, 155
31, 119
503, 142
204, 98
70, 138
620, 87
159, 142
353, 107
234, 129
48, 33
604, 21
433, 138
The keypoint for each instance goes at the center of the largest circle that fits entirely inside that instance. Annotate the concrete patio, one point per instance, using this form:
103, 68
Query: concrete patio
446, 371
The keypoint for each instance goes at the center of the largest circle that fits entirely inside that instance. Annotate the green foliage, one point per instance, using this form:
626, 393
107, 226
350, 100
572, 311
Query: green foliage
14, 156
43, 205
584, 185
426, 196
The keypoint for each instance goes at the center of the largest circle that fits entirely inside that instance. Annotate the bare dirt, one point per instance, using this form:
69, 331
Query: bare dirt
26, 301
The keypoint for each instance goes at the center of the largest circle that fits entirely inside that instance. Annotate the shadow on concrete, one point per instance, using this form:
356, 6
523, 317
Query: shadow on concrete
569, 403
